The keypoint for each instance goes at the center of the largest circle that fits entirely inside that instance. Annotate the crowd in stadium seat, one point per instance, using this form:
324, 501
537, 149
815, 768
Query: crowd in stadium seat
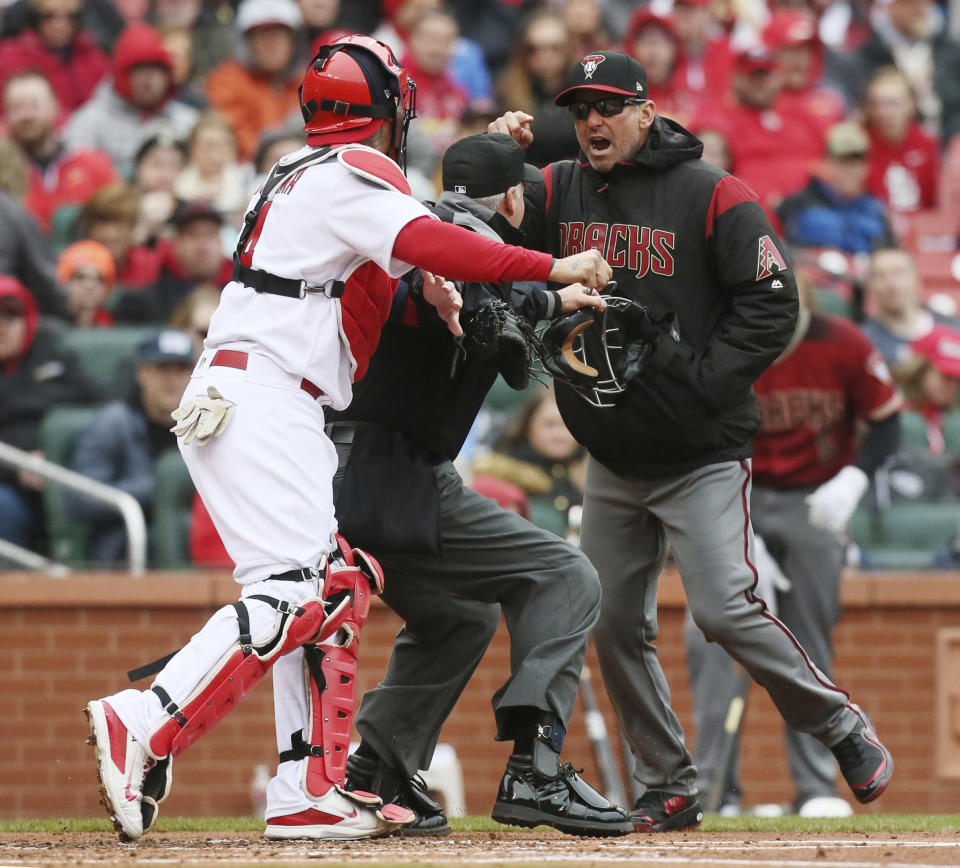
132, 133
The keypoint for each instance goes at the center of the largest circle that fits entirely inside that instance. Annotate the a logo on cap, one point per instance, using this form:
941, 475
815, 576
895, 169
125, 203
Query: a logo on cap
459, 188
590, 64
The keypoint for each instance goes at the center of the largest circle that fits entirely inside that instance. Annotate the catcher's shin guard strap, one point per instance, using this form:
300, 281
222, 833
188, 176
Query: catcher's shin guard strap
239, 669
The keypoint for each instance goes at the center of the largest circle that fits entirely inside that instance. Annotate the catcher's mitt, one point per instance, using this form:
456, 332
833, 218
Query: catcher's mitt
493, 330
600, 353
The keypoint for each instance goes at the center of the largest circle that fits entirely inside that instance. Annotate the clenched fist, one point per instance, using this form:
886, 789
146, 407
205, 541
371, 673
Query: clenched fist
588, 268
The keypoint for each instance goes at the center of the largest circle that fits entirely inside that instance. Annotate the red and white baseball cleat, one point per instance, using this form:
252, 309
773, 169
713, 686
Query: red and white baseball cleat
341, 815
122, 764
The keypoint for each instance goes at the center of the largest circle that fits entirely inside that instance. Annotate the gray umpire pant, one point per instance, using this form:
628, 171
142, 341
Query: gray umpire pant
703, 516
493, 560
813, 561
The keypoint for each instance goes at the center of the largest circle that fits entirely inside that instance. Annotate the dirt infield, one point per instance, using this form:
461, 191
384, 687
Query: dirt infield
704, 850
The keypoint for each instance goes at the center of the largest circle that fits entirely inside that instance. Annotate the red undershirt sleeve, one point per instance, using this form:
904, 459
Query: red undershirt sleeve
459, 254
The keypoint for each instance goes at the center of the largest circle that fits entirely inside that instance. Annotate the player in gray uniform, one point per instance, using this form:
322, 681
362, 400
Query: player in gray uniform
670, 454
810, 471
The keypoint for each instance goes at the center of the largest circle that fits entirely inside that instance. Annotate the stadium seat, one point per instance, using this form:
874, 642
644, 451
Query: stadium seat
905, 535
59, 432
929, 231
172, 499
828, 301
107, 354
913, 430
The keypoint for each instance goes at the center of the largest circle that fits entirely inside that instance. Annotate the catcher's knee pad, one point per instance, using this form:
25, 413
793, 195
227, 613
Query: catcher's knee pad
351, 580
237, 671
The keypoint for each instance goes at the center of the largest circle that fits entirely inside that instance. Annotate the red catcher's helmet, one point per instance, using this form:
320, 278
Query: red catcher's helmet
350, 88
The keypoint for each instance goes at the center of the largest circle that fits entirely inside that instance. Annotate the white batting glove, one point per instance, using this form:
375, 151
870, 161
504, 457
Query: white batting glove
202, 419
832, 504
770, 578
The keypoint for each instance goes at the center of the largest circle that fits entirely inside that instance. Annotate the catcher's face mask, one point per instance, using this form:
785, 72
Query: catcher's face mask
579, 350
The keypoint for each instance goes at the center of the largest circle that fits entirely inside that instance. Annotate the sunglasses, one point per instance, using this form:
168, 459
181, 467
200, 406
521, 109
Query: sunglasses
606, 108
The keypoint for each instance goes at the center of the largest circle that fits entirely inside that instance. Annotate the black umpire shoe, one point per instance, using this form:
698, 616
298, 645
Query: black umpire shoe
865, 763
656, 811
564, 801
371, 775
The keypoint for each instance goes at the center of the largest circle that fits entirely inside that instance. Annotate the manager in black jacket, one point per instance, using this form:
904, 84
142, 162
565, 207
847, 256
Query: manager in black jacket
670, 460
455, 558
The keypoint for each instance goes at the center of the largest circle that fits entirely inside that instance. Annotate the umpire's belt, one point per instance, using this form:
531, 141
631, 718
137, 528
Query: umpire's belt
242, 360
289, 287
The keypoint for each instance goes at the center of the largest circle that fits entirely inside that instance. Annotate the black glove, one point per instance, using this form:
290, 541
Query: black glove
494, 331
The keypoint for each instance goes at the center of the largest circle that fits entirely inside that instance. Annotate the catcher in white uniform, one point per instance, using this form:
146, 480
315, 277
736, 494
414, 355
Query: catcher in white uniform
315, 271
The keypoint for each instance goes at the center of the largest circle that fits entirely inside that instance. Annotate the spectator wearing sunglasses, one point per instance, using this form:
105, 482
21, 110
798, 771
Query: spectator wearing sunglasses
669, 456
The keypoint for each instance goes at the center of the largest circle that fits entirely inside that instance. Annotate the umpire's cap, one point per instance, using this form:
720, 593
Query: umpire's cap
485, 165
610, 71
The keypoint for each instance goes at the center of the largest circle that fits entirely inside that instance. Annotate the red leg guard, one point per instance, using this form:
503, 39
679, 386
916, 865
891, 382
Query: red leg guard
332, 670
331, 717
233, 677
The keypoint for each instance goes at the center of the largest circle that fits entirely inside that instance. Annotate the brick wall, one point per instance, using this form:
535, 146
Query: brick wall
64, 642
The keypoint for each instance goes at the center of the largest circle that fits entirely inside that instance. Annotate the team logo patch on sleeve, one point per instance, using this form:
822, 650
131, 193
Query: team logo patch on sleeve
590, 64
768, 258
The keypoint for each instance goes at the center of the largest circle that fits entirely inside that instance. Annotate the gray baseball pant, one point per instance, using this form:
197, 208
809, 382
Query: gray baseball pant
703, 516
813, 561
493, 560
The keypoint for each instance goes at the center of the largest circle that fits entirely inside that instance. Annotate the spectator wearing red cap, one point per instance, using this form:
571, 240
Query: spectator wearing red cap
773, 152
652, 39
930, 379
87, 273
36, 373
58, 175
193, 255
792, 36
54, 44
904, 157
135, 103
707, 56
261, 91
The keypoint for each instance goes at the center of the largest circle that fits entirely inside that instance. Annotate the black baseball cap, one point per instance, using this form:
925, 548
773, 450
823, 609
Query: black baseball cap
611, 71
485, 164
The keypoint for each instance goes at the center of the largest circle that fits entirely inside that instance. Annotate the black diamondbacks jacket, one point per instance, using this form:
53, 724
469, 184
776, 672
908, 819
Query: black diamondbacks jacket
681, 236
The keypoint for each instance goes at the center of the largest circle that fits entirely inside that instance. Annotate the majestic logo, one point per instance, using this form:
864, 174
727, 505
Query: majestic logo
767, 257
590, 64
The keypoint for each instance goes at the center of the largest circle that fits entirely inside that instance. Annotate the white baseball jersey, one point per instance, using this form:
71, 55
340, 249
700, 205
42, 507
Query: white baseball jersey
324, 222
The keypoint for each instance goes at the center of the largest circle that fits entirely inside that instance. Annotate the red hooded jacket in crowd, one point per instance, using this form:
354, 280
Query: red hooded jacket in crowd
673, 98
73, 74
795, 28
905, 175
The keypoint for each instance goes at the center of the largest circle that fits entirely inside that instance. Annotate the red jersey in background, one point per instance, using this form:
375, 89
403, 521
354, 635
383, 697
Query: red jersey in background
811, 399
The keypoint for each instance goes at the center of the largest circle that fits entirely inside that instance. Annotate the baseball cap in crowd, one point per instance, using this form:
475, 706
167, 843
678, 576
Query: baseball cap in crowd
790, 27
847, 139
485, 165
609, 71
261, 13
198, 209
941, 347
169, 345
755, 59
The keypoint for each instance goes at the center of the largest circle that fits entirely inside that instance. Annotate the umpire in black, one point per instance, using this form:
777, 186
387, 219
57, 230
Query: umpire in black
454, 558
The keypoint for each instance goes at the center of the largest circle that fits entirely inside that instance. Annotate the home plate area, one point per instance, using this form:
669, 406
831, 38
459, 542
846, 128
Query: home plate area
491, 848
